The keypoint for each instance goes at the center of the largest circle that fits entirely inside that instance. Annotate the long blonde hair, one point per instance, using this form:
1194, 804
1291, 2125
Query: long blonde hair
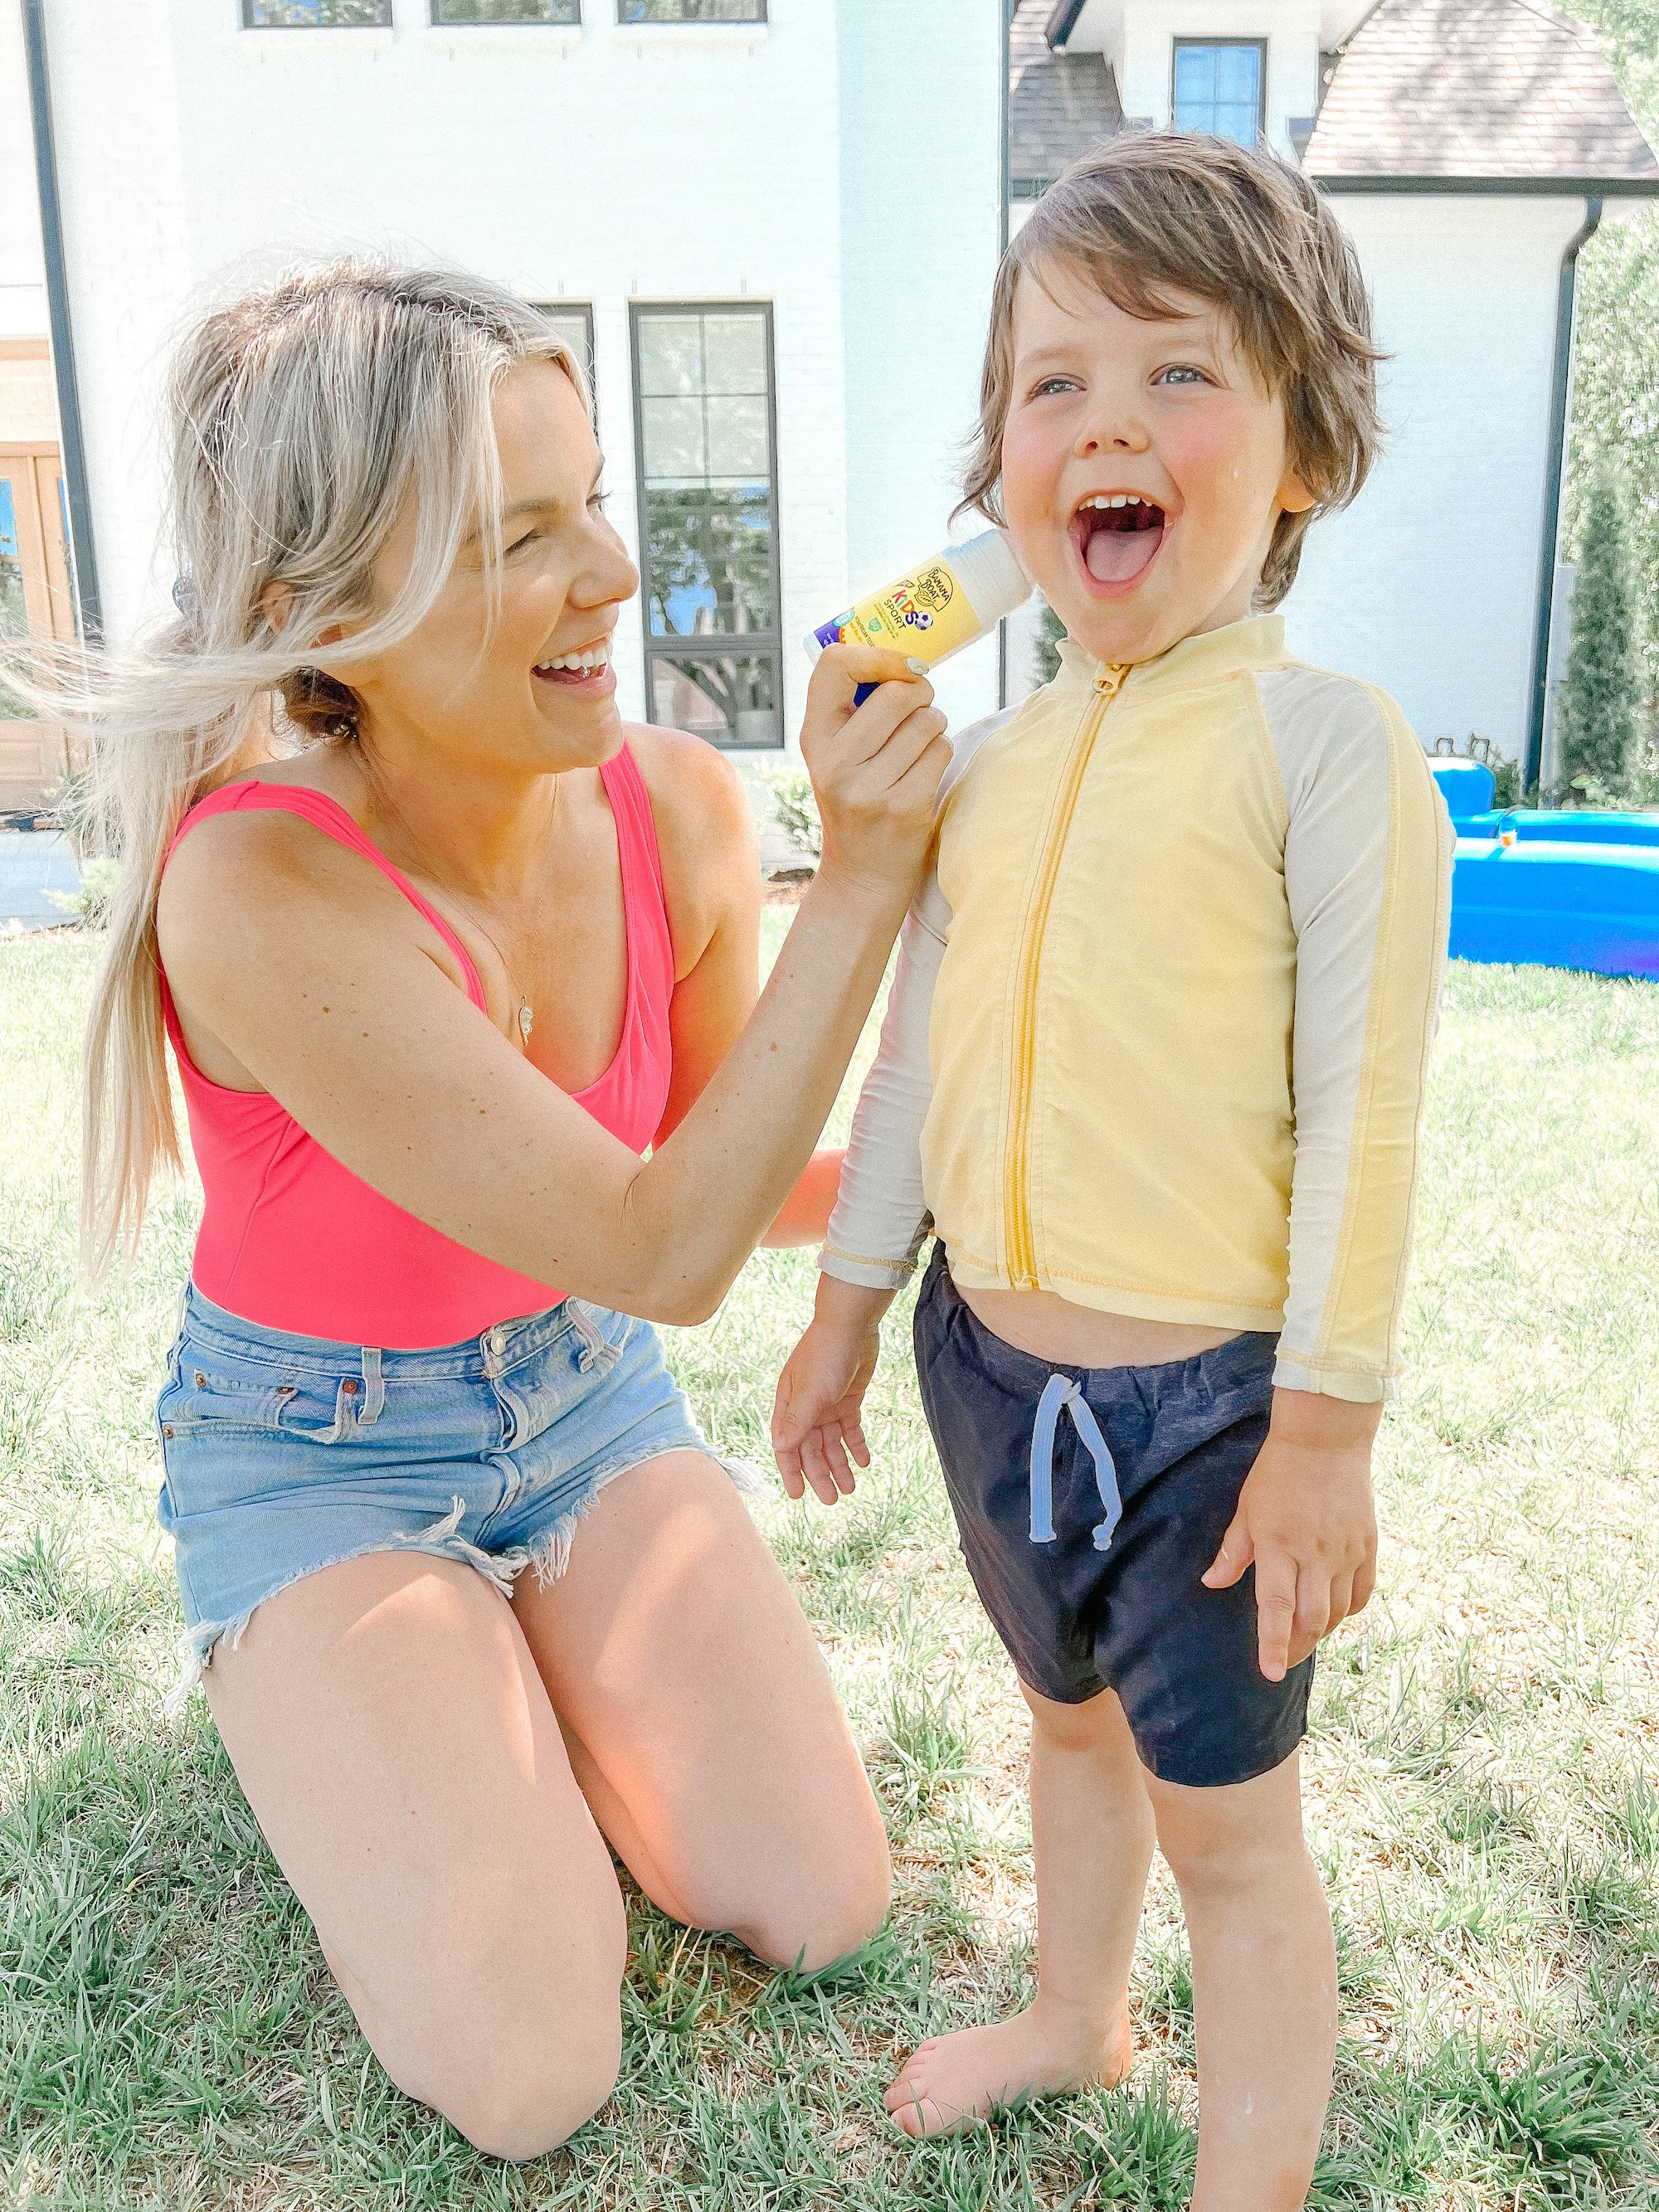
300, 419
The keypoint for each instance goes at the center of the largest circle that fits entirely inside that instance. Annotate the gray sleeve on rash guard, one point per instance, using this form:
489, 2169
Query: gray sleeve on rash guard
1367, 870
881, 1218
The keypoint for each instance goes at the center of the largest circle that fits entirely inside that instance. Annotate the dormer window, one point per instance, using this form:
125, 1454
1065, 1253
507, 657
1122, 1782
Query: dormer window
1218, 86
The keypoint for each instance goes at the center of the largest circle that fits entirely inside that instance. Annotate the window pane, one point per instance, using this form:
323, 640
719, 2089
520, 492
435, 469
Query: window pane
1218, 90
570, 324
690, 11
731, 702
710, 563
507, 11
705, 467
674, 445
739, 439
13, 622
670, 354
314, 14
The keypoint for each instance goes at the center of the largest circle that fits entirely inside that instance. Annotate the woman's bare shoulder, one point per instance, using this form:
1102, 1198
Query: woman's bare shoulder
705, 828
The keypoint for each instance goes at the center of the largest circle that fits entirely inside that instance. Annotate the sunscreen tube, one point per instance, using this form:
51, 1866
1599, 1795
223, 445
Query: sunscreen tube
936, 609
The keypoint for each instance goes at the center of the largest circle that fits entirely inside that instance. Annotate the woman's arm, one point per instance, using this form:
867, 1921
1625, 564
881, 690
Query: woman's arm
711, 883
320, 978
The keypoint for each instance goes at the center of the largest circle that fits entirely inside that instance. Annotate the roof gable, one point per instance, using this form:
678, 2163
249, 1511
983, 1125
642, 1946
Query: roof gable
1058, 104
1473, 89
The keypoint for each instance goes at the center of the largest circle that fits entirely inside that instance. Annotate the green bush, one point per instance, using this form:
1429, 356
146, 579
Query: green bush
794, 805
90, 905
1602, 698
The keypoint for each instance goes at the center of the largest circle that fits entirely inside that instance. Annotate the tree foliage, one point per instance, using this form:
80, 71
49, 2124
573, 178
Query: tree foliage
1615, 417
1602, 697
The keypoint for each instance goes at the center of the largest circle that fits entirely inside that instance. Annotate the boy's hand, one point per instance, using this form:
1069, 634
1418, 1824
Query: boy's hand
815, 1422
1306, 1517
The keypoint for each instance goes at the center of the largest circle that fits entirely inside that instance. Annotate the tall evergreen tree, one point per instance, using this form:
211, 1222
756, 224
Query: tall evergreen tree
1602, 696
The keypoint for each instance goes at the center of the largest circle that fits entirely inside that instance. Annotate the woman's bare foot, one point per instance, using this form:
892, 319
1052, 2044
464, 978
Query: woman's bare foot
951, 2081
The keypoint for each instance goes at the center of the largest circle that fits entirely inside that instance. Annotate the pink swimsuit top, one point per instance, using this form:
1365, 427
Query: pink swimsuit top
291, 1240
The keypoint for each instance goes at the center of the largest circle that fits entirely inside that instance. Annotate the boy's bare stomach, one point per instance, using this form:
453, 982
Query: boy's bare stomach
1051, 1327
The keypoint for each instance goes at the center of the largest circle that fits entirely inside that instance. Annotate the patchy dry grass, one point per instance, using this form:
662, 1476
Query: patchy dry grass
1484, 1785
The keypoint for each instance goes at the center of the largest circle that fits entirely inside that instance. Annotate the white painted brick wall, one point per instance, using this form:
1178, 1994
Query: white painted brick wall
22, 279
605, 165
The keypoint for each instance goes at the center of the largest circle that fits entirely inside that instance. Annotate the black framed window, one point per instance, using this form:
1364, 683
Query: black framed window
316, 15
705, 421
574, 325
1218, 87
691, 11
445, 12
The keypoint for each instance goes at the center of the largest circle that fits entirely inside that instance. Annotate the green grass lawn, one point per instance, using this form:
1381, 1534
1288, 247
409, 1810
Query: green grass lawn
1484, 1783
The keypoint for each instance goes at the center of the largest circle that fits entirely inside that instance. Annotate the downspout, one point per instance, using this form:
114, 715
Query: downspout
1560, 409
1007, 8
84, 554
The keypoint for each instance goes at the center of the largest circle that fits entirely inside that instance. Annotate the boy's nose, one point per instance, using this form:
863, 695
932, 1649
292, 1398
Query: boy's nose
1119, 435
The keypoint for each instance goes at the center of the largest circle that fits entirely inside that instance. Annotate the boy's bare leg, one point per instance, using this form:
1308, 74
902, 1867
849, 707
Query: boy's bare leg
1264, 1985
1091, 1837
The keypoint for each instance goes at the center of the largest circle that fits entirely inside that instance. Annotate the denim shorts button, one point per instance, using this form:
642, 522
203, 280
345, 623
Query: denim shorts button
201, 1380
349, 1386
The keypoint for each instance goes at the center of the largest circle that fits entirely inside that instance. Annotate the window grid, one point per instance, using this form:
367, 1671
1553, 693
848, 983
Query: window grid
1220, 86
705, 431
446, 13
691, 11
316, 15
573, 321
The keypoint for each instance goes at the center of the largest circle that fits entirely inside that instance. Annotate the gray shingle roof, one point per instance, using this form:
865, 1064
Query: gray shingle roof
1059, 105
1477, 88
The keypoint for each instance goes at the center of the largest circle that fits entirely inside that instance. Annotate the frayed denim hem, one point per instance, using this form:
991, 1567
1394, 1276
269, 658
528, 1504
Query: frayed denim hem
548, 1555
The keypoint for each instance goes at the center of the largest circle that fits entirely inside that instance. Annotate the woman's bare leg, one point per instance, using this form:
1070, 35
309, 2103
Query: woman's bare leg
399, 1752
702, 1721
1091, 1840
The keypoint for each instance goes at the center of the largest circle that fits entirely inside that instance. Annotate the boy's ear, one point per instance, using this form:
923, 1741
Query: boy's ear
1293, 495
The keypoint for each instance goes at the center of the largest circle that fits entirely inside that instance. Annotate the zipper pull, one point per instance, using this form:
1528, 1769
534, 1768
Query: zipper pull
1112, 678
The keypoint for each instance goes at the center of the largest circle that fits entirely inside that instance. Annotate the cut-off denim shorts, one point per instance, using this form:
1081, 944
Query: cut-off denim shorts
283, 1454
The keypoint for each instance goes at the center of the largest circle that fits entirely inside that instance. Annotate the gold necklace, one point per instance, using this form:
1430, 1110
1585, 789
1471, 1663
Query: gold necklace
526, 1016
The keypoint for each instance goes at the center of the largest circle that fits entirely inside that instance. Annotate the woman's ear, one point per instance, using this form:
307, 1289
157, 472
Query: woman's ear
276, 605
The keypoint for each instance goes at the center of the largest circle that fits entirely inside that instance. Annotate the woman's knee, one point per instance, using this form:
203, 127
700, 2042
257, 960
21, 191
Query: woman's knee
803, 1908
525, 2102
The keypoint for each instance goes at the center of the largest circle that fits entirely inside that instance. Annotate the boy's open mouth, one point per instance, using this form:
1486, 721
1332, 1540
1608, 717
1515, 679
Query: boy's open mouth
1118, 535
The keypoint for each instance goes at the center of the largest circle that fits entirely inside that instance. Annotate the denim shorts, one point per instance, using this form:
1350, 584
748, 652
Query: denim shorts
283, 1454
1088, 1504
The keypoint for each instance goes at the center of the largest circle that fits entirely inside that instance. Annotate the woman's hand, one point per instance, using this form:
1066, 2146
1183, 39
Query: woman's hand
875, 769
817, 1418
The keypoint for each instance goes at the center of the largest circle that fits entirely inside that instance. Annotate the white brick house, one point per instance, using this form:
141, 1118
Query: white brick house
829, 263
796, 204
1469, 146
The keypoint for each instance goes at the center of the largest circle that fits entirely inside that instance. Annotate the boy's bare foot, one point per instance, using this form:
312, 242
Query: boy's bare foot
951, 2081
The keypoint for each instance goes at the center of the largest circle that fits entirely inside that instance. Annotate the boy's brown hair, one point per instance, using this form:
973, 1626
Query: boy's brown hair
1143, 219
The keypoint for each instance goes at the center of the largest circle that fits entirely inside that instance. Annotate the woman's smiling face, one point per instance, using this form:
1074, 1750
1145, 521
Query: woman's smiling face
1144, 466
536, 686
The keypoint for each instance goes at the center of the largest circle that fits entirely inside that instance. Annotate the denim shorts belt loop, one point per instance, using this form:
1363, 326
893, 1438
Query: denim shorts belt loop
1060, 1390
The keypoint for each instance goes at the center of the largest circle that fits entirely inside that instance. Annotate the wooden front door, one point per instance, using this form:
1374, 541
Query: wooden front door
36, 600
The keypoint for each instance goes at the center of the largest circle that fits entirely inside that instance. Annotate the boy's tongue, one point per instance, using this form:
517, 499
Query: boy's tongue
1115, 556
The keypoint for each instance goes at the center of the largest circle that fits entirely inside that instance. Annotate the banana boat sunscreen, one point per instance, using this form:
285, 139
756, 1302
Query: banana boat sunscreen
935, 610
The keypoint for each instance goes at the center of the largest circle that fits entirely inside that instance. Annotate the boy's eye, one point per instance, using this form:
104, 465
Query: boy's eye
1181, 373
1051, 384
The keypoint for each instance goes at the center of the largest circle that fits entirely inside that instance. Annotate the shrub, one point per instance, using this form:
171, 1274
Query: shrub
90, 905
794, 805
1601, 702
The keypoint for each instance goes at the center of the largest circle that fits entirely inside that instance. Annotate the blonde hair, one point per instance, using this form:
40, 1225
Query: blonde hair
300, 419
1144, 218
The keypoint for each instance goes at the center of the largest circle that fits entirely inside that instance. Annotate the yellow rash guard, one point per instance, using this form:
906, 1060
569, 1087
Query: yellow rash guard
1158, 1036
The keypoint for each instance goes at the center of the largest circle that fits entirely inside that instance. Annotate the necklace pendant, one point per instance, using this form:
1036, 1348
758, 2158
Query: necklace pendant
526, 1022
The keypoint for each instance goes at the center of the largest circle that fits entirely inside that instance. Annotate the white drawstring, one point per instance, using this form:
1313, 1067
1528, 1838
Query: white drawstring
1060, 1390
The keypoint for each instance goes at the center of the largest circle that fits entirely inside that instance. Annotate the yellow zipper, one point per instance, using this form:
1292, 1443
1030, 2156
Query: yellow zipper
1022, 1255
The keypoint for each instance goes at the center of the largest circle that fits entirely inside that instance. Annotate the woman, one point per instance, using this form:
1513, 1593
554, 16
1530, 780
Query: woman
435, 979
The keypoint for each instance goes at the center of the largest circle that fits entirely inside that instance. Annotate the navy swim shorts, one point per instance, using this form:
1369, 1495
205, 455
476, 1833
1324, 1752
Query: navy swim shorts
1089, 1502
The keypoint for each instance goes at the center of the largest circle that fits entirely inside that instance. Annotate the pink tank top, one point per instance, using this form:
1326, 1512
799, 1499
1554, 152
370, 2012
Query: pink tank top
290, 1239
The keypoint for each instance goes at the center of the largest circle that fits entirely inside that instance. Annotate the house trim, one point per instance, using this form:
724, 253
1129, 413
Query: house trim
77, 486
1563, 188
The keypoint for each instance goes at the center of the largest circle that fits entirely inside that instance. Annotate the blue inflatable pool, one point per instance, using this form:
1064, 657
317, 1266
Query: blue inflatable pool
1568, 890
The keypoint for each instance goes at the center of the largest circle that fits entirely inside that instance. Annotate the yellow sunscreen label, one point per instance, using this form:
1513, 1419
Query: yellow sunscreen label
925, 615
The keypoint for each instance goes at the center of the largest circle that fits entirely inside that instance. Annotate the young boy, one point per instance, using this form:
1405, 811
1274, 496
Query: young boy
1153, 1071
